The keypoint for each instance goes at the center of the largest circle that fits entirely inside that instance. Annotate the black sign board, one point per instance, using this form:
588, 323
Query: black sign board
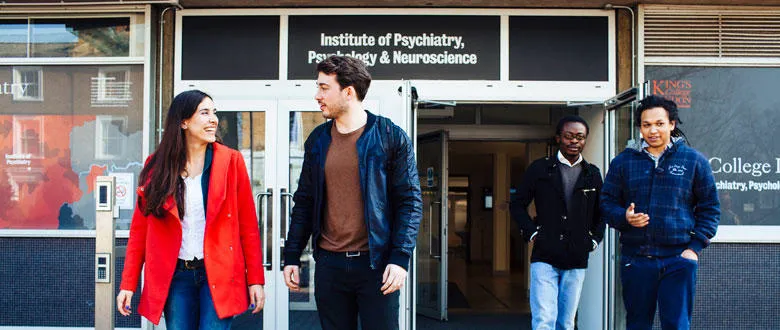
399, 47
730, 115
559, 48
230, 48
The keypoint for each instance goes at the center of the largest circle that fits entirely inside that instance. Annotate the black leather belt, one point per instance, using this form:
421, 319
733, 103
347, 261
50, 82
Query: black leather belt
190, 264
347, 254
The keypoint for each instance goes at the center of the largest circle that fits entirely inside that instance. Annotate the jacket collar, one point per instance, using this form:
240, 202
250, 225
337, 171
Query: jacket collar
638, 145
323, 139
217, 190
564, 161
553, 162
209, 157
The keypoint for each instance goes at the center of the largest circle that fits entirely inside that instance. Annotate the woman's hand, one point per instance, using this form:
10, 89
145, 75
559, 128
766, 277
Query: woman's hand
256, 298
123, 300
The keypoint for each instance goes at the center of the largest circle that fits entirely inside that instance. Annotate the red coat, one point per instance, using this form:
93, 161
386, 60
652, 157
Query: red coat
231, 246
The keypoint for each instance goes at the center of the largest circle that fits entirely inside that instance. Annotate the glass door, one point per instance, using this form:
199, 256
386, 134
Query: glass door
432, 236
247, 126
271, 135
296, 120
620, 131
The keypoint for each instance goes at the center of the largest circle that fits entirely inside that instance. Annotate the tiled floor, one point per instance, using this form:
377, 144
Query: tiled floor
467, 321
494, 302
486, 292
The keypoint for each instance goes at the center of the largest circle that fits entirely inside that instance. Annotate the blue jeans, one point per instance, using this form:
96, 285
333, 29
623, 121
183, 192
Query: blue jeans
668, 282
189, 305
347, 287
555, 295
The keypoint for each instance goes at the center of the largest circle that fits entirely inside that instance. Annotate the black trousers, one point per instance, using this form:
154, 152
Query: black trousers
347, 289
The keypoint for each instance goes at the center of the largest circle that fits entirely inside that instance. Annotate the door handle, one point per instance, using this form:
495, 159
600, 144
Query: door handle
430, 226
285, 198
262, 216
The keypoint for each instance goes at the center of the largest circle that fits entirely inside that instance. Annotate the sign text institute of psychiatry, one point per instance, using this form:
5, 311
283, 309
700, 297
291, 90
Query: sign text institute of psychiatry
400, 47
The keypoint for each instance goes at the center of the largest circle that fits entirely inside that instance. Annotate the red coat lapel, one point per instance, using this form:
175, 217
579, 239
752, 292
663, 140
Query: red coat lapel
170, 206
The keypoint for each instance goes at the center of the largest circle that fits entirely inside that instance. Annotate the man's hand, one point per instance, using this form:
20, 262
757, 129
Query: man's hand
638, 220
123, 300
256, 298
393, 279
291, 277
690, 255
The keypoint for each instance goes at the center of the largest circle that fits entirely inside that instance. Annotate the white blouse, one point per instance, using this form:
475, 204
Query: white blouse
193, 226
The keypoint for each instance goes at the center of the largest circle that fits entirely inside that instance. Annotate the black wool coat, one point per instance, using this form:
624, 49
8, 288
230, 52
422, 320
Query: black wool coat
565, 233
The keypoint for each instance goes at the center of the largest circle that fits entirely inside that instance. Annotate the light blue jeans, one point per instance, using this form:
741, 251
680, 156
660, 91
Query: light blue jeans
189, 305
555, 294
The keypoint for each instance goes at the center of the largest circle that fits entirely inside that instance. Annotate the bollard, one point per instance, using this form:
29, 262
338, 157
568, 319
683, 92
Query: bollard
106, 213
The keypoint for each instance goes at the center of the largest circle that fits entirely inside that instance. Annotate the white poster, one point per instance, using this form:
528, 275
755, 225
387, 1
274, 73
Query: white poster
125, 191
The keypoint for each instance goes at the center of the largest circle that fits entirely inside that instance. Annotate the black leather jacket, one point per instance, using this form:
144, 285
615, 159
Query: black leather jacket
391, 193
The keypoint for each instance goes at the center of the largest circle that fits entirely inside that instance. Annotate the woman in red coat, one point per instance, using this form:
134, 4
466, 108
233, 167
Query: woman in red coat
194, 228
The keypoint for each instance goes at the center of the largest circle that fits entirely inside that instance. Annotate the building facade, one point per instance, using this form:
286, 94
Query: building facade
84, 87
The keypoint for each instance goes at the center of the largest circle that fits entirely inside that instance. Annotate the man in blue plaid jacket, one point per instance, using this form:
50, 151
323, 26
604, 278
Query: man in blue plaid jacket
660, 194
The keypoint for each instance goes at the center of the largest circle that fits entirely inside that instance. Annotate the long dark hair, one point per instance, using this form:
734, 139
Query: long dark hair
655, 101
161, 177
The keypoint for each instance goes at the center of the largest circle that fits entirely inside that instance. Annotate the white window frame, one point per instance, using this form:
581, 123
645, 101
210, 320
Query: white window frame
18, 131
139, 33
103, 96
135, 55
101, 123
504, 89
17, 81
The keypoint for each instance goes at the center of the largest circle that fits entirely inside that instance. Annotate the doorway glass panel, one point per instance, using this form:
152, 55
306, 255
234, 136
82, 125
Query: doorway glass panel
624, 127
431, 240
303, 308
245, 132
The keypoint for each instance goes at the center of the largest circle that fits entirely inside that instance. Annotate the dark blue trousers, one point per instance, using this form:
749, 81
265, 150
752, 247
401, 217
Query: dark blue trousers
347, 287
666, 282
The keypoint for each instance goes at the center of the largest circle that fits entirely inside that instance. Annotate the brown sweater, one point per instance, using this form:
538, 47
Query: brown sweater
344, 228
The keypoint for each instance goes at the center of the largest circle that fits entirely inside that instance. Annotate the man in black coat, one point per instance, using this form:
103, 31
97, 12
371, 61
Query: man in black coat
568, 225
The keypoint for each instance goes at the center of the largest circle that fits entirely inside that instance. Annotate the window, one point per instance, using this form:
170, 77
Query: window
110, 137
80, 37
55, 148
72, 37
28, 136
111, 88
27, 84
13, 38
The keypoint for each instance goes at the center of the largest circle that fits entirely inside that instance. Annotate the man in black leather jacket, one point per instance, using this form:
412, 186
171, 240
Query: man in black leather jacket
568, 225
359, 200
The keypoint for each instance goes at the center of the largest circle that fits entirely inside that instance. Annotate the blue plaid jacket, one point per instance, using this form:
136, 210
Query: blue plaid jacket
679, 196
